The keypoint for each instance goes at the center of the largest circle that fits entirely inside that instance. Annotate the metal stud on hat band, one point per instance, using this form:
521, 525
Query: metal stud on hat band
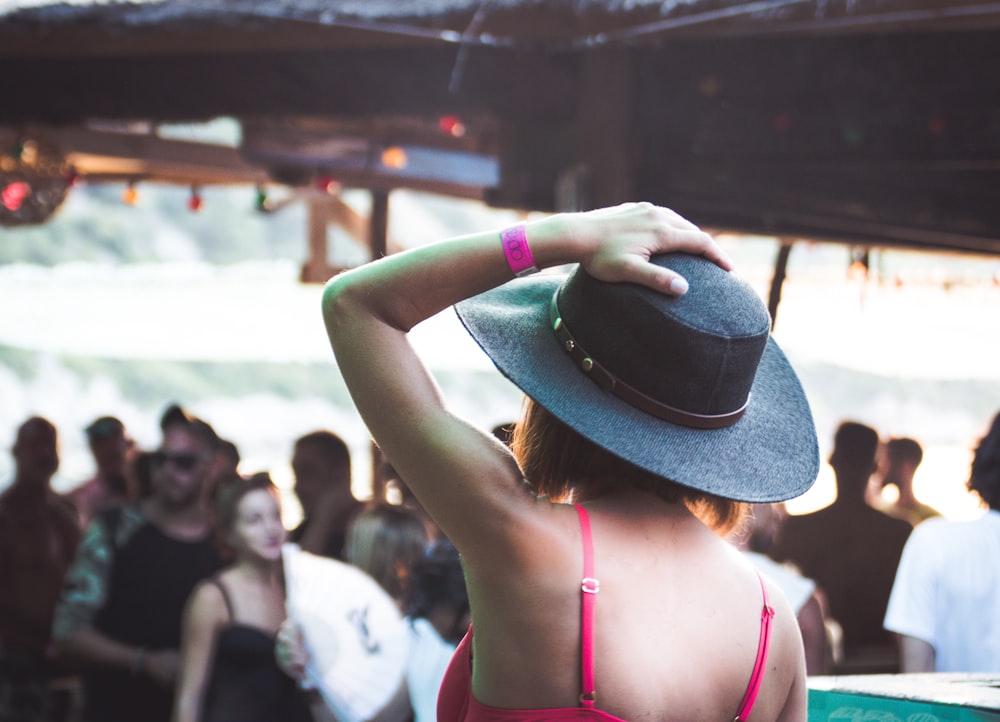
630, 395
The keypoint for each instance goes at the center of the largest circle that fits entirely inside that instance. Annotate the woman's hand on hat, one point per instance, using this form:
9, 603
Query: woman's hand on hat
624, 237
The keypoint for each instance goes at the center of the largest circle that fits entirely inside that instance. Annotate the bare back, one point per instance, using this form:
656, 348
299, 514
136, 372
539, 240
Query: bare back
677, 621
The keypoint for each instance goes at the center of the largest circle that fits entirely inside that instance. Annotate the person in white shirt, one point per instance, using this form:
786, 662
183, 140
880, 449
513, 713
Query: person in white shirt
438, 616
944, 599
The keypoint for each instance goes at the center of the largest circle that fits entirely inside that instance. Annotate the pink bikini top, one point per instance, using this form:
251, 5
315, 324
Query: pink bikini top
456, 702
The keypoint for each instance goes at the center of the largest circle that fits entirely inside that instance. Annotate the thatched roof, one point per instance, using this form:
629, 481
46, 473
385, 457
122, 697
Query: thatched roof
870, 121
553, 24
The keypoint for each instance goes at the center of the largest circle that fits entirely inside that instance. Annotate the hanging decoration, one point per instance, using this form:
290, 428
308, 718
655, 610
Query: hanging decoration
130, 196
13, 195
394, 157
261, 202
860, 263
195, 201
34, 179
327, 184
451, 125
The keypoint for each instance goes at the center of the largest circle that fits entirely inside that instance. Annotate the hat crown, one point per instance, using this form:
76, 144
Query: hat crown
698, 352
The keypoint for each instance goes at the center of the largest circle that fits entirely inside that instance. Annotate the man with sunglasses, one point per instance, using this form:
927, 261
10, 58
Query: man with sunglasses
119, 617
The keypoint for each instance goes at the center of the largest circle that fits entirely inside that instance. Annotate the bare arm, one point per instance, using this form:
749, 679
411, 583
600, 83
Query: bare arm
87, 648
204, 614
796, 707
916, 655
465, 478
789, 657
813, 628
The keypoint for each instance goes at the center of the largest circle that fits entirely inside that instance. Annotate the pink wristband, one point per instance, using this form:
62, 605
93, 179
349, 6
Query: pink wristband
515, 246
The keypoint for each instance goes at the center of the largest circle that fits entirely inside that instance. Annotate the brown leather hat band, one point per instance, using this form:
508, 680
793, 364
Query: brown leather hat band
630, 395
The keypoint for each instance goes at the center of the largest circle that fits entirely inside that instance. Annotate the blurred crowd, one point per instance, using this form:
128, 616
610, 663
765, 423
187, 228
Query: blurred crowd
154, 590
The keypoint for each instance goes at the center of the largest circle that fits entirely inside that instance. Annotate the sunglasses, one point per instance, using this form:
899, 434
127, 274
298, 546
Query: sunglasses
181, 461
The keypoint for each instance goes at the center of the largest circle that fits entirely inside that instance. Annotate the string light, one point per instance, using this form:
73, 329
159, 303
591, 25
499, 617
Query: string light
394, 157
130, 196
14, 194
194, 201
29, 152
327, 184
260, 199
451, 125
860, 263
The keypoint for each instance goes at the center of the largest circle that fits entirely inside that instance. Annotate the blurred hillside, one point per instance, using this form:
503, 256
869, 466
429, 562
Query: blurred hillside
120, 309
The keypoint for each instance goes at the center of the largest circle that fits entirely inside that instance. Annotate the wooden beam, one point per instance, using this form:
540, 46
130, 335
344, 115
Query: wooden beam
99, 155
324, 210
604, 127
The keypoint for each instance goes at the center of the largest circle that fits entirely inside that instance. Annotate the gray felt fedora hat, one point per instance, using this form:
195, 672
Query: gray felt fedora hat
691, 388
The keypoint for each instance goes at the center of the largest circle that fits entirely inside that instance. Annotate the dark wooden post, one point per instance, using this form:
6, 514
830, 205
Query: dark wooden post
780, 267
378, 237
604, 116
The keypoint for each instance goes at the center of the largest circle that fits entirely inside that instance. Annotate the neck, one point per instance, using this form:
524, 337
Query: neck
25, 486
267, 572
854, 502
186, 520
906, 495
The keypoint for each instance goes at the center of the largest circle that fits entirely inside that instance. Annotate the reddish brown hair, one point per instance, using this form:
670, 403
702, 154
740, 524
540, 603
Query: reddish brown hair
564, 466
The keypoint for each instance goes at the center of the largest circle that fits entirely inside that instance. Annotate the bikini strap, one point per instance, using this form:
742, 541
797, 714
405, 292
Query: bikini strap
589, 588
225, 596
760, 665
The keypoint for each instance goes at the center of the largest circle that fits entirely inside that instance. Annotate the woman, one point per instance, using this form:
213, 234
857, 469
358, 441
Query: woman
599, 591
385, 541
228, 670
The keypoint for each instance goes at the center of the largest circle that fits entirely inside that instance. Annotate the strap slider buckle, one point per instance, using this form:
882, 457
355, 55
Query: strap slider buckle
590, 585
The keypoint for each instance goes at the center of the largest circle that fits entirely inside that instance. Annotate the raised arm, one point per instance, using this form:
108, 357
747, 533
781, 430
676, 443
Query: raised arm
465, 478
916, 655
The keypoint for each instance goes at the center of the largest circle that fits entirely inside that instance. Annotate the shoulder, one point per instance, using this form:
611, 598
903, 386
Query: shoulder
207, 603
896, 529
82, 489
121, 522
796, 587
62, 504
529, 543
939, 532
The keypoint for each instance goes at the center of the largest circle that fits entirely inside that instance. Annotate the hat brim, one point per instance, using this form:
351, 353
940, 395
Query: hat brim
769, 455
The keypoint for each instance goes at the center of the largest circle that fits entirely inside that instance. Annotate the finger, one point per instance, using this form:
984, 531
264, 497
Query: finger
658, 278
702, 244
